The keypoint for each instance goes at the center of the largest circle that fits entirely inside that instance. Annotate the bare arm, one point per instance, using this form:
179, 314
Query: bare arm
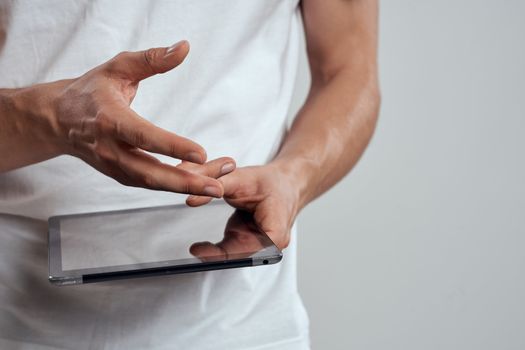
338, 118
24, 136
330, 132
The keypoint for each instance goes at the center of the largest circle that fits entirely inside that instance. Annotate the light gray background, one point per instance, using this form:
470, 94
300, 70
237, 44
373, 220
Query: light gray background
422, 246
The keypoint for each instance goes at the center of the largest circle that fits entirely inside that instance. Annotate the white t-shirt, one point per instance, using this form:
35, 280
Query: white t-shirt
231, 95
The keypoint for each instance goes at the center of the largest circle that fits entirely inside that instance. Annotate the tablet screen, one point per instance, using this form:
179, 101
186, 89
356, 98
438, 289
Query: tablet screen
152, 237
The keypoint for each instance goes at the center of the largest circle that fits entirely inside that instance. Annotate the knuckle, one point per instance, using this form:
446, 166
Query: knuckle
150, 57
76, 146
173, 148
118, 129
190, 183
103, 153
133, 136
149, 180
72, 138
121, 56
138, 138
186, 188
101, 122
113, 64
84, 122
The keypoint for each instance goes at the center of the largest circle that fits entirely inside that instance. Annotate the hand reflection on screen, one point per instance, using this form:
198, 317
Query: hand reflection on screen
241, 239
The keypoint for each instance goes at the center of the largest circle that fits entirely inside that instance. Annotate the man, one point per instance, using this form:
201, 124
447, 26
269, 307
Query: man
68, 129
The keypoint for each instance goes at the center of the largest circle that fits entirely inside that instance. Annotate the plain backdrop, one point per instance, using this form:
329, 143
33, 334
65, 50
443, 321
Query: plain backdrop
422, 245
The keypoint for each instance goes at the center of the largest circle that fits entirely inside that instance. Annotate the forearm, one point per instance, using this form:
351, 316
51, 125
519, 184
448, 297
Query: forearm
26, 127
330, 132
336, 123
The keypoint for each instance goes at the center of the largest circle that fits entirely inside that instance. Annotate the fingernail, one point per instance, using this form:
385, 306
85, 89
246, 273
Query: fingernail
227, 168
212, 191
194, 157
174, 47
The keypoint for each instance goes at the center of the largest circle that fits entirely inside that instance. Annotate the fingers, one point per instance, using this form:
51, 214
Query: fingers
146, 171
137, 131
140, 65
214, 168
231, 183
197, 201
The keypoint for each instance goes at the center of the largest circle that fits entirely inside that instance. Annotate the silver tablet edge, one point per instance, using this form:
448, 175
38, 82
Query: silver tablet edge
266, 260
65, 281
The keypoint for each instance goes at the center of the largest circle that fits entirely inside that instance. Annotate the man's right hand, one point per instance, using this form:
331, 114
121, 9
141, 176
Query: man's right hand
90, 117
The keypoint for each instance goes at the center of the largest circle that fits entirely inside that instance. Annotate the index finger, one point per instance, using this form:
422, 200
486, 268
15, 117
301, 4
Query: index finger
138, 132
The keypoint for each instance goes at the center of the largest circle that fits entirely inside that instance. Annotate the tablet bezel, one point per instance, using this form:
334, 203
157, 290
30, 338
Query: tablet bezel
270, 254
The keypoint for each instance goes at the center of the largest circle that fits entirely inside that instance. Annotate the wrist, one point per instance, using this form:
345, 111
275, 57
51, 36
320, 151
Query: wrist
35, 110
301, 174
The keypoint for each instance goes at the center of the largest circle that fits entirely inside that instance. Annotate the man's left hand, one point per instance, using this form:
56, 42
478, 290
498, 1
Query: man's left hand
266, 191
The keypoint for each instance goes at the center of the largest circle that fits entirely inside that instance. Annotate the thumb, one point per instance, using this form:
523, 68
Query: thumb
139, 65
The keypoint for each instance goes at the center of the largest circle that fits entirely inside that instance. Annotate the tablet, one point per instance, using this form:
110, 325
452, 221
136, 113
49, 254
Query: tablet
104, 246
